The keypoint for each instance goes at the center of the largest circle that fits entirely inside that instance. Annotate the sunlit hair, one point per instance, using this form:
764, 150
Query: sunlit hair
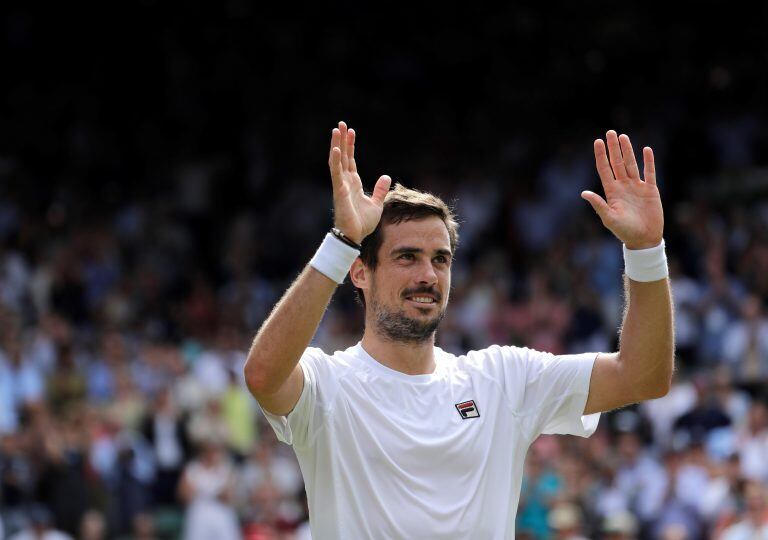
404, 204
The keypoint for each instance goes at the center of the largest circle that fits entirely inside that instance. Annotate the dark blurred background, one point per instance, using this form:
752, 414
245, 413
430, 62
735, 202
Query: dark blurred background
163, 178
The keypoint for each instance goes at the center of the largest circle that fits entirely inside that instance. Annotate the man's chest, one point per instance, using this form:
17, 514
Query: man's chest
451, 426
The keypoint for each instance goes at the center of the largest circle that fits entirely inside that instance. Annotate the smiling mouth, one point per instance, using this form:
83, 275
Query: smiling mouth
422, 301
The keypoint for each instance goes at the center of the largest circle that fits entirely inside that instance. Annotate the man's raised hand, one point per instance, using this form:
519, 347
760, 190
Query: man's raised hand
355, 213
633, 210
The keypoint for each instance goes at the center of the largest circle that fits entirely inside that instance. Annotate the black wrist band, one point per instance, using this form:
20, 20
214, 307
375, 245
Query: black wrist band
344, 238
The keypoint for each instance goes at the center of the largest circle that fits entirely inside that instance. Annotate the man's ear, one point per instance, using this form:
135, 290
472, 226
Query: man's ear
359, 274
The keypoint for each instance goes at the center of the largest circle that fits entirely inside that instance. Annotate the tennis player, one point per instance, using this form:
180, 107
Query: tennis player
397, 438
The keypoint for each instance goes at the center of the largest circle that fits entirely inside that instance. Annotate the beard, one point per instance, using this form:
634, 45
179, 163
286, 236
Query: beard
397, 326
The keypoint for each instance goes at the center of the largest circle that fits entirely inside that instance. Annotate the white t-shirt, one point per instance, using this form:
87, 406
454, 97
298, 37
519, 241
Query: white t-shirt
390, 455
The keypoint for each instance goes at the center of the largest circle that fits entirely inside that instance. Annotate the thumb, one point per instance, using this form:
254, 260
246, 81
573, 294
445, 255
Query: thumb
598, 204
380, 189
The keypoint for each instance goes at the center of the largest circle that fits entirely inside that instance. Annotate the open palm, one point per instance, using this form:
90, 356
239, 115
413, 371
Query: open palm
355, 213
632, 208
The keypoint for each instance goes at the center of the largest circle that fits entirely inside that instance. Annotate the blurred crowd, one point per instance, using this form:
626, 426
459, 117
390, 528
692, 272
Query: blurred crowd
127, 437
123, 411
155, 204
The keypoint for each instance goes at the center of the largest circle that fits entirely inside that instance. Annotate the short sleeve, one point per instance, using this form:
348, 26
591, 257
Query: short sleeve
550, 391
299, 427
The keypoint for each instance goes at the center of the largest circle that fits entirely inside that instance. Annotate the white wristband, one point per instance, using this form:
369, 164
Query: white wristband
646, 264
334, 258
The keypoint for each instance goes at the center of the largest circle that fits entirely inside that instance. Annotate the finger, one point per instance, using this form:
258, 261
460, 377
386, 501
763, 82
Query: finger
351, 150
337, 176
335, 138
598, 204
649, 166
615, 157
343, 145
601, 162
629, 157
380, 189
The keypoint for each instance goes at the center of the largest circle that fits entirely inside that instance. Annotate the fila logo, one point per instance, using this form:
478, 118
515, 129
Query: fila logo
467, 409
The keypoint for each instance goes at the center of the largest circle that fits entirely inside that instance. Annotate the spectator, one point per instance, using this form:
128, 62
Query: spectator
677, 511
93, 526
103, 369
63, 486
66, 385
21, 384
143, 527
719, 303
620, 526
134, 472
686, 295
745, 343
165, 431
733, 401
752, 444
209, 424
206, 487
674, 531
17, 482
128, 406
565, 520
239, 416
754, 522
541, 487
707, 414
641, 478
719, 497
40, 527
268, 485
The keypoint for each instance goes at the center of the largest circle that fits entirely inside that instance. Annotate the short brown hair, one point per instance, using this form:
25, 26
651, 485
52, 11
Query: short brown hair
404, 204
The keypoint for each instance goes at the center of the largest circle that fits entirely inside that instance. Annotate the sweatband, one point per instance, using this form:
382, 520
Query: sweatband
646, 264
334, 258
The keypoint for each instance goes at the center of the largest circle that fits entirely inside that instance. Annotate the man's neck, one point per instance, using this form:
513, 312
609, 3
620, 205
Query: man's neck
403, 356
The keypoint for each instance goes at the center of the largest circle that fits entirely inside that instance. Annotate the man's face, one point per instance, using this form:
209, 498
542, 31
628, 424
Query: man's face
409, 288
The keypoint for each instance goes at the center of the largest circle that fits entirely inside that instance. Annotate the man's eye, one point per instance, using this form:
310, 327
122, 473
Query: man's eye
441, 259
407, 256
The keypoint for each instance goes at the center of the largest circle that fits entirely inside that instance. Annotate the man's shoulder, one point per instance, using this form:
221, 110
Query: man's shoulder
336, 360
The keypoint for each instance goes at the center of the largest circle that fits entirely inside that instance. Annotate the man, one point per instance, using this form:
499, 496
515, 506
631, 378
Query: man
620, 525
399, 439
565, 520
40, 526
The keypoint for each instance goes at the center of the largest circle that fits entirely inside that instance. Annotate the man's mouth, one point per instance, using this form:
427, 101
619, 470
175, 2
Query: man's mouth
422, 299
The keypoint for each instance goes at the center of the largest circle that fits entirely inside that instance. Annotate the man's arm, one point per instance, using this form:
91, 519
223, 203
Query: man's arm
642, 369
272, 372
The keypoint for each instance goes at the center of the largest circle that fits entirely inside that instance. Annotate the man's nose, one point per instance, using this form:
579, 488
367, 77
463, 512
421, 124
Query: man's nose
427, 273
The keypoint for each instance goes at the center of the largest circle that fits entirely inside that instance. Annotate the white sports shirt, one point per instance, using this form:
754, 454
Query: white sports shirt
387, 455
